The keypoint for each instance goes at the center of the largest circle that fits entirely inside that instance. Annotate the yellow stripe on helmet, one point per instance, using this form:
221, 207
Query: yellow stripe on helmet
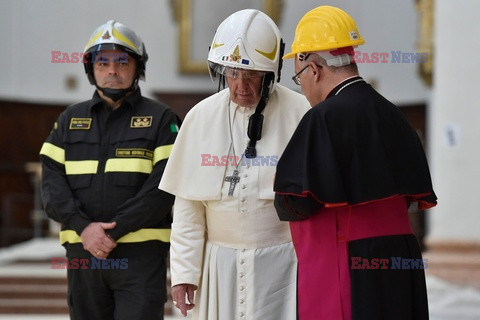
92, 40
124, 39
269, 55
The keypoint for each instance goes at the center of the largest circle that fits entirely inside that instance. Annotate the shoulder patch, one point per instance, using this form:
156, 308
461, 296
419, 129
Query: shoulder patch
80, 123
173, 127
141, 122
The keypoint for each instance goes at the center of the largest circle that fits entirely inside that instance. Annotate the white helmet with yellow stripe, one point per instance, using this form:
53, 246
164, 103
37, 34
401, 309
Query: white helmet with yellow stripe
114, 35
250, 40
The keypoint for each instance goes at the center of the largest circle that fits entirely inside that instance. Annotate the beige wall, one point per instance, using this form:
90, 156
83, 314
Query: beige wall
30, 30
454, 122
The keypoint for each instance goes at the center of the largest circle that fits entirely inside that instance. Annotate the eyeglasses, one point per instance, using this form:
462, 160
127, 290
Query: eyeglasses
296, 77
235, 73
301, 57
242, 73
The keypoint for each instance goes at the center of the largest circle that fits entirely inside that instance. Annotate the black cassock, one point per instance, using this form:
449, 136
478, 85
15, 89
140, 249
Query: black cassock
356, 147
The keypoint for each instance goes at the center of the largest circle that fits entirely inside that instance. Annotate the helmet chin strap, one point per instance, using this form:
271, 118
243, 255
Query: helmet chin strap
255, 123
117, 94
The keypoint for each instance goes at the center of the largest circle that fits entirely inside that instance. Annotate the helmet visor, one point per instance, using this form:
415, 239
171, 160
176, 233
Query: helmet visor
111, 46
235, 73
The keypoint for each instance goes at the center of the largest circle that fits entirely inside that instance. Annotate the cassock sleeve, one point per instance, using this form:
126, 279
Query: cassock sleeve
293, 208
308, 167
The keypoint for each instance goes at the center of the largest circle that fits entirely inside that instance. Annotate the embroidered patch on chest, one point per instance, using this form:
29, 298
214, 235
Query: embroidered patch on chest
141, 122
134, 153
80, 123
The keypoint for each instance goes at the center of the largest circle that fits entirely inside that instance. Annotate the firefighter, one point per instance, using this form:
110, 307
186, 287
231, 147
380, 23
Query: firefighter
102, 164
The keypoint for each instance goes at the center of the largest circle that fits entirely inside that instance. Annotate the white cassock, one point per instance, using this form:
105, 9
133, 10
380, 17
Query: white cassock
233, 247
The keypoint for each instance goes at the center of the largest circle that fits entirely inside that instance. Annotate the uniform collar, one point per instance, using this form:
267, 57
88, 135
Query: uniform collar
130, 101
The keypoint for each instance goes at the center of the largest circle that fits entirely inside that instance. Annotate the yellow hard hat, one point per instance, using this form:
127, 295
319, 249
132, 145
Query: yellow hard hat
324, 28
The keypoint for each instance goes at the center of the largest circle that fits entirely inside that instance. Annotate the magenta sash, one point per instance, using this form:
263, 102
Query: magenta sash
321, 244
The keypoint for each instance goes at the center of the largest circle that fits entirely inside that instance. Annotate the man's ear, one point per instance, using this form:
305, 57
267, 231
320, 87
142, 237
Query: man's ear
316, 69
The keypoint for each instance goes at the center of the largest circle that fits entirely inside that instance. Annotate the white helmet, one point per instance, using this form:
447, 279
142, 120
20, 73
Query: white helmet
247, 39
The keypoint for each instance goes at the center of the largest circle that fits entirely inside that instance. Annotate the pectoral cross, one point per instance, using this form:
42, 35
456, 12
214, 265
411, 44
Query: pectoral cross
233, 179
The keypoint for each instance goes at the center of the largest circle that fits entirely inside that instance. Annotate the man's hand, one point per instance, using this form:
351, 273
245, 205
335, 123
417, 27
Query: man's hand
96, 241
178, 294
